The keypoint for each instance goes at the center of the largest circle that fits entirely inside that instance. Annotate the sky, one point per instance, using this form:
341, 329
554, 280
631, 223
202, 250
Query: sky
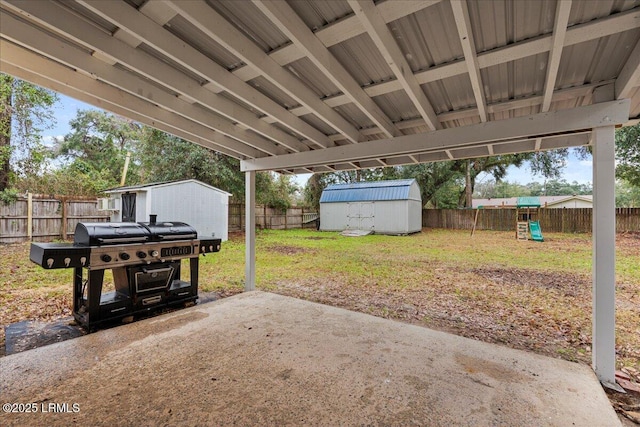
576, 170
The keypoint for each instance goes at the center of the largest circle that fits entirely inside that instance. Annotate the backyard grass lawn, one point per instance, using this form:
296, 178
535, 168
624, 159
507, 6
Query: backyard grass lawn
491, 287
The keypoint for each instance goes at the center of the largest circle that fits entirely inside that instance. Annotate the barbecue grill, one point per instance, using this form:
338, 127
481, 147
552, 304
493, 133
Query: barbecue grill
145, 259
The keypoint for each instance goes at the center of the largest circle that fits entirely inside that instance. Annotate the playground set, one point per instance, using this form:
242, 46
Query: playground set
527, 218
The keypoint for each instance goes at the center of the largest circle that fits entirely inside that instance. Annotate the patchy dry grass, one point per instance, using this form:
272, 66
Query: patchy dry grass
528, 295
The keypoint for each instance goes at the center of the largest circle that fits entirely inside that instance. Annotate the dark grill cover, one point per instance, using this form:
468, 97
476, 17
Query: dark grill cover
170, 230
110, 233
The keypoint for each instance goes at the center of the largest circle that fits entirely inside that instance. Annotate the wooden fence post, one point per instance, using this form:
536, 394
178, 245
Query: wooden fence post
30, 216
63, 225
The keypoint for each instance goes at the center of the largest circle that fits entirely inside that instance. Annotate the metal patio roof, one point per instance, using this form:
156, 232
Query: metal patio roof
301, 86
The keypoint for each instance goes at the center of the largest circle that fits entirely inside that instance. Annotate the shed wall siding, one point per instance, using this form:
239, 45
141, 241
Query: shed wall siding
201, 207
390, 217
414, 193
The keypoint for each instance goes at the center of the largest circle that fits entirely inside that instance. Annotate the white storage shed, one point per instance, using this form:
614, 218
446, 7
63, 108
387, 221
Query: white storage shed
384, 207
198, 204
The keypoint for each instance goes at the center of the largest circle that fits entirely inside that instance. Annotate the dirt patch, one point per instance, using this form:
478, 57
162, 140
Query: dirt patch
566, 284
628, 242
287, 250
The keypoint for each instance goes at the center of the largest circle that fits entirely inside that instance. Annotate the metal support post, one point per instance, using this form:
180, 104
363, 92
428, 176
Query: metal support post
250, 231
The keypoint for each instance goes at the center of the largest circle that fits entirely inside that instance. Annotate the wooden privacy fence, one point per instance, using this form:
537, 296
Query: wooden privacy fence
56, 218
504, 219
266, 217
41, 218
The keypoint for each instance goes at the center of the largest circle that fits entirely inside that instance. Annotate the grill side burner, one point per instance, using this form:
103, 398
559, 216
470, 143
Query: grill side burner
145, 259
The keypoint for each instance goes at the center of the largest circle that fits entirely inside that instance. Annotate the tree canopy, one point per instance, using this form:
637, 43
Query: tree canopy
25, 111
628, 154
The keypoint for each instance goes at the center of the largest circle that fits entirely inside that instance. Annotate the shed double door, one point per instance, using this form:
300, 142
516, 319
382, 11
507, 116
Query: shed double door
360, 216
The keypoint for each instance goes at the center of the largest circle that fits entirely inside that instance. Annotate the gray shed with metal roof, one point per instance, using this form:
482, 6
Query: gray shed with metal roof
384, 207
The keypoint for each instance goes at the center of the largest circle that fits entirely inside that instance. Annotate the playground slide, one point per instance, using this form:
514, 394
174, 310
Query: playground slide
536, 232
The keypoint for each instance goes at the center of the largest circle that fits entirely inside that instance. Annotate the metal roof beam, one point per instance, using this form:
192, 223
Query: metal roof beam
219, 29
64, 22
556, 122
630, 75
32, 67
463, 23
144, 29
23, 34
530, 101
294, 27
563, 9
379, 32
592, 30
341, 30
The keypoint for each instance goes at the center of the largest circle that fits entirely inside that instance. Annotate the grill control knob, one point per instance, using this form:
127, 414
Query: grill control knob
105, 258
153, 253
141, 254
124, 256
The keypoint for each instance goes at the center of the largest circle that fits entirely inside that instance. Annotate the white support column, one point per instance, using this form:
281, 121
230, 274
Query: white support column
250, 231
604, 250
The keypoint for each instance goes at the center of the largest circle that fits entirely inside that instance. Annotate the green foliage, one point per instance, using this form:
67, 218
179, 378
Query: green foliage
8, 195
275, 191
25, 111
555, 187
627, 195
628, 154
431, 177
165, 157
97, 148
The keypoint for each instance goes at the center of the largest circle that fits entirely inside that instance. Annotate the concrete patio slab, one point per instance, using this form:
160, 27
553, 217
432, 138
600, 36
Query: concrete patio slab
264, 359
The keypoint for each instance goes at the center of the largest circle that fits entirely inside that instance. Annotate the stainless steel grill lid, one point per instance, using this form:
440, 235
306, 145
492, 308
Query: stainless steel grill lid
110, 233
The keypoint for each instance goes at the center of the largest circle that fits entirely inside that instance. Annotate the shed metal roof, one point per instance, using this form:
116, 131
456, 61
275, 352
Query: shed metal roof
399, 189
313, 86
145, 187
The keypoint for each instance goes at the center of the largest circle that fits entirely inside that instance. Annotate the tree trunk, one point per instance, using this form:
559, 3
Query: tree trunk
468, 188
5, 137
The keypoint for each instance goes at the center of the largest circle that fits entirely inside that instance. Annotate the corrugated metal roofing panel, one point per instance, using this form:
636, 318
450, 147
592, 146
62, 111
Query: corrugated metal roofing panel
318, 123
428, 37
354, 115
585, 11
183, 29
320, 14
515, 79
397, 105
367, 191
362, 60
247, 18
596, 60
453, 93
273, 92
312, 77
499, 23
